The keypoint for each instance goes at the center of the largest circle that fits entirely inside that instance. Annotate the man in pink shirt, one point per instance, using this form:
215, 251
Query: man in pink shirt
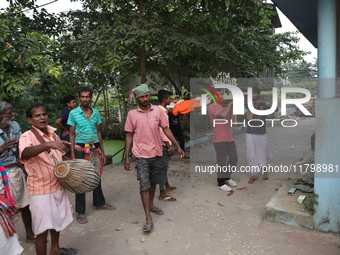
224, 144
49, 203
143, 137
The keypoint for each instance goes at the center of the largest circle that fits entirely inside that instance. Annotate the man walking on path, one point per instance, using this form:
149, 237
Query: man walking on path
86, 143
143, 137
51, 211
9, 137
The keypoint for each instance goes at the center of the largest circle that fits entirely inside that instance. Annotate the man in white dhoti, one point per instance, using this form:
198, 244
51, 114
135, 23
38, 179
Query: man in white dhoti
258, 153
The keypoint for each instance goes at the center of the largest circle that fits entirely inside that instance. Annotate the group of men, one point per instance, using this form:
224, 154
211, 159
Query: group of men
40, 196
43, 202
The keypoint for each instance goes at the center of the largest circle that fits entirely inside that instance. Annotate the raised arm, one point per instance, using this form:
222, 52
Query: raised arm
226, 111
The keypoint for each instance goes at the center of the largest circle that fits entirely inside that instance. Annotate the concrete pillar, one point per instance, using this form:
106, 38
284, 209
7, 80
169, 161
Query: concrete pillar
327, 119
327, 148
326, 48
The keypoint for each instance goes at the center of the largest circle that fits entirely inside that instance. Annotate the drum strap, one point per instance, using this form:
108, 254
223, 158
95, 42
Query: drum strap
39, 137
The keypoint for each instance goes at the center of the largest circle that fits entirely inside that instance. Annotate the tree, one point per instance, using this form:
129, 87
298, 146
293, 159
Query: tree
28, 72
166, 42
299, 69
177, 40
25, 55
300, 74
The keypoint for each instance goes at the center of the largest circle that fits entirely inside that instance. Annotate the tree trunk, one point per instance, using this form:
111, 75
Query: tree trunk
143, 50
142, 66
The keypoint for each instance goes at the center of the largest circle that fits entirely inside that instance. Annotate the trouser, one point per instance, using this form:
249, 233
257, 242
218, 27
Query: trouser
178, 134
226, 155
98, 196
163, 176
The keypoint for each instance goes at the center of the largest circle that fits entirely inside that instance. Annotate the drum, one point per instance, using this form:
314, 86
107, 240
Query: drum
77, 175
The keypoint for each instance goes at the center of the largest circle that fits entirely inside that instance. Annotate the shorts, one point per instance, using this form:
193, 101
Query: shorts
148, 171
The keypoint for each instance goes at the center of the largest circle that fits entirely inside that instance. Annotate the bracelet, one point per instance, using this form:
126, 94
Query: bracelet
170, 149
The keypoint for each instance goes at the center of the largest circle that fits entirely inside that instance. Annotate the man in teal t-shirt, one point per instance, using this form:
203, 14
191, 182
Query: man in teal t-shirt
86, 143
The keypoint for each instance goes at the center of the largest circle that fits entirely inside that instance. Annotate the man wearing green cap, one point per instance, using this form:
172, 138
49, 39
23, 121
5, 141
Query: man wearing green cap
143, 137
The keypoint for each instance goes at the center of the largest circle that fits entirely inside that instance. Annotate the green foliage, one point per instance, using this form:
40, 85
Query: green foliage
300, 69
300, 74
177, 40
46, 56
29, 73
25, 56
310, 202
119, 133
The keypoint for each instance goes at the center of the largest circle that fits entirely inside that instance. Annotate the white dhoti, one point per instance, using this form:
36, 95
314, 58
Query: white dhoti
258, 153
11, 245
50, 211
18, 186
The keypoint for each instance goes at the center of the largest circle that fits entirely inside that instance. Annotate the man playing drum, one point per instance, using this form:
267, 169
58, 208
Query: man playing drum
39, 147
86, 143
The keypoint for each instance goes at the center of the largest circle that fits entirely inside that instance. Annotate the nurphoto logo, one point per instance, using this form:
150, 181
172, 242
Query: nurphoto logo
238, 100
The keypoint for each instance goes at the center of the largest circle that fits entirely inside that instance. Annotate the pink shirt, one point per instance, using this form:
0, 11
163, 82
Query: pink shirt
164, 138
41, 179
222, 132
145, 128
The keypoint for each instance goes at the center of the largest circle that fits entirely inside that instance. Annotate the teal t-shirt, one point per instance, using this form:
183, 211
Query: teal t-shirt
85, 129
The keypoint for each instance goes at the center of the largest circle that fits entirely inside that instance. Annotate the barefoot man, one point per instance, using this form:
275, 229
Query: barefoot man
258, 153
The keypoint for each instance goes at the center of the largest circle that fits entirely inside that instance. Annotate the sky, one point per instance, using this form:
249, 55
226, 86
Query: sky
66, 5
304, 44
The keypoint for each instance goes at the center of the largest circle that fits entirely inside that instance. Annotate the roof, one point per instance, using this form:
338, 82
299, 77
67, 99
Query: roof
303, 14
275, 20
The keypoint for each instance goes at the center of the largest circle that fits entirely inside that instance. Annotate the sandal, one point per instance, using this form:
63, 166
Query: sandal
106, 207
82, 219
68, 251
170, 199
157, 211
147, 227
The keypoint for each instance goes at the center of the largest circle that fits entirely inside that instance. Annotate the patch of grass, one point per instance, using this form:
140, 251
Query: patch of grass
310, 202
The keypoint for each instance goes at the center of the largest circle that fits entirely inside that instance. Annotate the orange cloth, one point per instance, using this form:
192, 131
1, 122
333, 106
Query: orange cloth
41, 179
186, 106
